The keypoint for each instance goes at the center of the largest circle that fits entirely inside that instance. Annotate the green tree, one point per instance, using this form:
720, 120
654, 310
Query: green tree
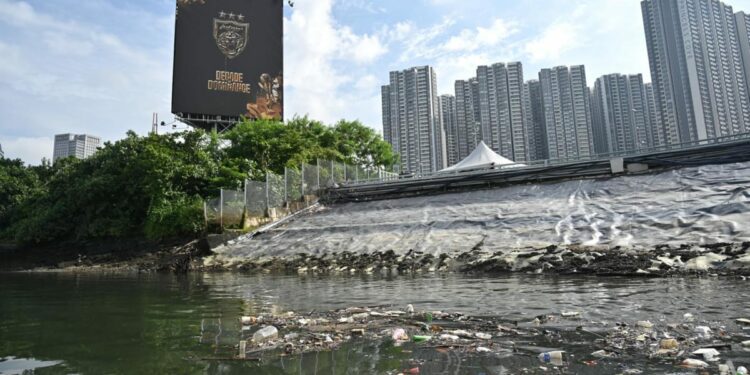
154, 186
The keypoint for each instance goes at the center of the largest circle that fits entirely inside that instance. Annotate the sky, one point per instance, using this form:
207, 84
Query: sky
103, 67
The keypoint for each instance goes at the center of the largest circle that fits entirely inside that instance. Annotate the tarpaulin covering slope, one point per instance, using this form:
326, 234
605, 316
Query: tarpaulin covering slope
706, 204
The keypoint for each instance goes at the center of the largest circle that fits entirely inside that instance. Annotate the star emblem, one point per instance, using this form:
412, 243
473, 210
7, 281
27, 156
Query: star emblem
240, 17
222, 14
231, 16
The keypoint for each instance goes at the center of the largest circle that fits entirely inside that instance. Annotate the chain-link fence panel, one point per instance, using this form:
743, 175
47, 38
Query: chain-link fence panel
389, 176
339, 172
363, 174
212, 209
256, 198
293, 184
275, 187
232, 208
351, 173
311, 179
325, 168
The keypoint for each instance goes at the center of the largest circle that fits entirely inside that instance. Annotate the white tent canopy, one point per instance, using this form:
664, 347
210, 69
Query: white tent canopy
481, 157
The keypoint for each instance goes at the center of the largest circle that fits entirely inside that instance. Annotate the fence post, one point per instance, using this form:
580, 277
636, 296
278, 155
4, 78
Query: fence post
317, 166
245, 197
268, 195
286, 185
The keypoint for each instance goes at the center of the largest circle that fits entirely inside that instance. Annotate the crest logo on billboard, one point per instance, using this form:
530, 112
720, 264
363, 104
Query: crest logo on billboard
231, 34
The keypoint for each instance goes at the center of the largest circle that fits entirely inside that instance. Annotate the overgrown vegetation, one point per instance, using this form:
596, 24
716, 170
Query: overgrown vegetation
154, 186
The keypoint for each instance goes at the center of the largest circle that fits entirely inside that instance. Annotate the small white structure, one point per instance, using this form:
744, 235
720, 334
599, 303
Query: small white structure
482, 158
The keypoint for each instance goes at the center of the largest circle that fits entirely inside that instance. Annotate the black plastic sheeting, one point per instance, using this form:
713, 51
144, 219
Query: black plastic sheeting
699, 205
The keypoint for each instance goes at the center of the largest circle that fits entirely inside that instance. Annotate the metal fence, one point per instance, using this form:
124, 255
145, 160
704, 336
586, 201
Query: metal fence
274, 194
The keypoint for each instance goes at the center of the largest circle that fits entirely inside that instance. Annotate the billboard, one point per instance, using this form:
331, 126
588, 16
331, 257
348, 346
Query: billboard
228, 59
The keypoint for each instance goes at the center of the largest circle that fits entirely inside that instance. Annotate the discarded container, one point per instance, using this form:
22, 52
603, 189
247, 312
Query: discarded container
556, 357
248, 320
243, 349
693, 363
602, 354
462, 333
709, 354
703, 332
410, 309
265, 334
421, 338
428, 317
741, 370
446, 336
361, 316
399, 335
482, 349
645, 324
669, 344
688, 317
570, 314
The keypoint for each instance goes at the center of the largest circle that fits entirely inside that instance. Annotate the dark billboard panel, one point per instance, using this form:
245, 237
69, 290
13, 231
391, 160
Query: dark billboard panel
228, 58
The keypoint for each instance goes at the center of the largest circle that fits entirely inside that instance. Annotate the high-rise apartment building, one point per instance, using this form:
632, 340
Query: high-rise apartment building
468, 118
621, 121
501, 114
533, 112
567, 115
742, 20
657, 129
411, 120
449, 123
80, 146
2, 154
700, 83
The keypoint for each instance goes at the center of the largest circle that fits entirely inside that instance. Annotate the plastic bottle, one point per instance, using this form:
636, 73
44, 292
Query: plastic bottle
741, 370
421, 338
556, 357
265, 334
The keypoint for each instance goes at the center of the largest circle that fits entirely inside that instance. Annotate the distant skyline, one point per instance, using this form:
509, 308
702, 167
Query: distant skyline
103, 66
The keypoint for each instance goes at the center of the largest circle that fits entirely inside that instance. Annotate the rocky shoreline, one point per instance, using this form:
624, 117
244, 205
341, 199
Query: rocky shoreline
724, 259
716, 259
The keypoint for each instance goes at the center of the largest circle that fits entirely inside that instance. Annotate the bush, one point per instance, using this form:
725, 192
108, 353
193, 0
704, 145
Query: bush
175, 215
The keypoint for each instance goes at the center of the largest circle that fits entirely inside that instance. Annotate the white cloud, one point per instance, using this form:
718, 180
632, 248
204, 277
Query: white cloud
30, 150
319, 57
363, 48
481, 37
554, 41
64, 76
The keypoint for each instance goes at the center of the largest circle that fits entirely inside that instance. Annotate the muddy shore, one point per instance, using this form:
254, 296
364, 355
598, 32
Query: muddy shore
137, 255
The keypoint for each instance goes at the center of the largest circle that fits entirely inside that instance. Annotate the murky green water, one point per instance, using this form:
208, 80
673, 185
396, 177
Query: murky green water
131, 324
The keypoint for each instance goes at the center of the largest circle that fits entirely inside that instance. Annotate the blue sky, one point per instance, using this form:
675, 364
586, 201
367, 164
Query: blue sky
103, 66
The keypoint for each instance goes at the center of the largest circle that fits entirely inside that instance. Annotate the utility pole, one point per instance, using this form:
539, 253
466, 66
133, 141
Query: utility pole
155, 124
